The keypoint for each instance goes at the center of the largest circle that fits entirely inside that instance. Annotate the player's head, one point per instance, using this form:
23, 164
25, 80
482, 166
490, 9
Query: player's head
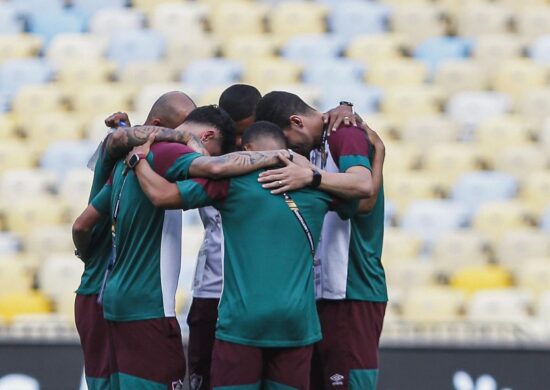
214, 127
302, 125
240, 102
170, 110
263, 135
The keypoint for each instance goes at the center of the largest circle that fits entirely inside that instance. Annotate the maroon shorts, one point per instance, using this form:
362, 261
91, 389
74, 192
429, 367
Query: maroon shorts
237, 365
147, 350
92, 329
202, 318
351, 334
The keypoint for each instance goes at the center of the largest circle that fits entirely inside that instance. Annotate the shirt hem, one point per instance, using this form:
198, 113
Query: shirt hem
134, 317
269, 343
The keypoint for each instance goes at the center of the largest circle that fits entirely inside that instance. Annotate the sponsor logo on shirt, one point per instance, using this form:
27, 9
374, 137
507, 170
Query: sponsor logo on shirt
337, 380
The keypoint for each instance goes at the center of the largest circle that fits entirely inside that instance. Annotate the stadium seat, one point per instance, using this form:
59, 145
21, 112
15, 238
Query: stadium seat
77, 73
23, 303
147, 72
518, 245
289, 19
534, 107
8, 127
454, 76
397, 73
250, 47
10, 244
430, 219
468, 109
101, 98
56, 126
403, 188
437, 50
32, 100
232, 19
533, 22
138, 45
459, 248
109, 21
545, 221
358, 18
32, 7
500, 305
182, 50
41, 326
473, 278
169, 18
520, 159
389, 131
309, 93
543, 306
433, 304
62, 156
536, 189
77, 182
534, 274
365, 99
23, 216
476, 188
378, 47
14, 46
496, 218
417, 22
496, 133
58, 274
313, 48
400, 246
90, 7
26, 184
484, 19
401, 157
147, 96
203, 74
70, 47
265, 73
539, 51
404, 103
47, 240
330, 72
517, 76
49, 23
426, 131
15, 74
14, 277
409, 275
15, 154
148, 6
10, 20
496, 48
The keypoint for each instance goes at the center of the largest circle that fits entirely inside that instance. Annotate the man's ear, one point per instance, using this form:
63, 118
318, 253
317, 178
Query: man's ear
156, 122
296, 120
247, 147
208, 135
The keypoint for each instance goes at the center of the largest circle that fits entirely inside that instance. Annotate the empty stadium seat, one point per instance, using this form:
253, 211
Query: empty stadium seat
518, 245
76, 182
432, 218
404, 103
47, 240
375, 47
101, 98
10, 20
403, 188
10, 244
539, 51
484, 18
84, 72
335, 72
148, 6
313, 48
545, 221
231, 19
13, 304
400, 245
14, 277
309, 93
494, 134
454, 76
400, 157
266, 73
70, 47
495, 218
473, 278
517, 76
147, 72
533, 22
58, 274
109, 21
89, 7
289, 19
49, 23
15, 74
435, 51
459, 248
357, 18
408, 275
56, 126
62, 156
536, 189
16, 154
433, 304
520, 159
169, 18
213, 72
470, 108
138, 45
150, 93
535, 106
23, 216
534, 274
543, 306
429, 130
417, 22
27, 184
500, 305
182, 50
365, 99
8, 127
19, 46
493, 49
397, 73
250, 47
476, 188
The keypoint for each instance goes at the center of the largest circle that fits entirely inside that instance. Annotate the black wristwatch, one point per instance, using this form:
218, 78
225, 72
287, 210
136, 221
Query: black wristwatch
344, 103
135, 159
316, 180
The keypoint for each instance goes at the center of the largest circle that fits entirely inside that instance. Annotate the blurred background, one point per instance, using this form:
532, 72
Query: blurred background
458, 90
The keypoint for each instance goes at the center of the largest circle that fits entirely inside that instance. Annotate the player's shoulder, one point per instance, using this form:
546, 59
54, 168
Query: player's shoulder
347, 134
170, 148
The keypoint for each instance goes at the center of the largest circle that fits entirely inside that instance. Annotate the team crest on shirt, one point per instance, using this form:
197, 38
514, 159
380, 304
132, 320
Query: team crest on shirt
195, 382
177, 385
337, 380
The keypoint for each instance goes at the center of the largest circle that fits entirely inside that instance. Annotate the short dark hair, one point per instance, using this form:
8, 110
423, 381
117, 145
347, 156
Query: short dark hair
240, 101
264, 129
278, 106
216, 117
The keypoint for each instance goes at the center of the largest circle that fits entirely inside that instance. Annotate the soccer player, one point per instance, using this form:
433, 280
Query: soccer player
139, 298
350, 280
239, 101
267, 319
170, 110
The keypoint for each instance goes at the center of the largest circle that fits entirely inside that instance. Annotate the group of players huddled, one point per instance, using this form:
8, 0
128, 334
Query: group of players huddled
289, 290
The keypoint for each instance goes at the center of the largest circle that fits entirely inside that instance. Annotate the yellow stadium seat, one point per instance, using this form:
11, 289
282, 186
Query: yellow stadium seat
534, 274
141, 73
433, 304
454, 76
16, 154
181, 50
77, 73
246, 48
407, 187
405, 103
309, 93
385, 126
520, 159
397, 73
533, 22
289, 19
27, 184
429, 130
211, 96
40, 326
459, 248
400, 245
265, 73
401, 157
535, 189
517, 76
34, 99
416, 22
75, 207
59, 274
45, 128
23, 216
543, 137
494, 49
480, 277
101, 98
19, 46
484, 18
371, 48
500, 305
494, 219
409, 275
76, 183
231, 19
46, 240
23, 303
14, 277
523, 4
535, 106
147, 96
148, 6
543, 306
170, 18
515, 246
71, 46
64, 305
495, 133
8, 127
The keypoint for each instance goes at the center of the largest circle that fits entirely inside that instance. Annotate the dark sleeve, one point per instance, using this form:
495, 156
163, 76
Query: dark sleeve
346, 208
102, 201
349, 147
200, 192
172, 160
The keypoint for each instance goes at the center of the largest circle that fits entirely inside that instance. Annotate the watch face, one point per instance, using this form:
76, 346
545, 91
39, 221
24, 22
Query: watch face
134, 159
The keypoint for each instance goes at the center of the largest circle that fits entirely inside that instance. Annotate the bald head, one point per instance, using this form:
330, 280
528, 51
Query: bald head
170, 110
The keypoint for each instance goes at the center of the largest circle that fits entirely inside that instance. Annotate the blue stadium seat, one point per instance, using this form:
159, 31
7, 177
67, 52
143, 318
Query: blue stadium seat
545, 222
215, 72
89, 7
136, 45
390, 212
11, 22
311, 48
15, 74
540, 50
32, 7
435, 50
334, 71
352, 18
63, 156
365, 99
49, 23
474, 189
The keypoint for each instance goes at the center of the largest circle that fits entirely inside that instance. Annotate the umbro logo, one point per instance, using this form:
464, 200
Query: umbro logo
337, 380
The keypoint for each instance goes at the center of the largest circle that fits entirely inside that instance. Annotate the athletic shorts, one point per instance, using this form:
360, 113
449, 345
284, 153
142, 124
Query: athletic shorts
202, 318
249, 368
147, 354
347, 356
92, 329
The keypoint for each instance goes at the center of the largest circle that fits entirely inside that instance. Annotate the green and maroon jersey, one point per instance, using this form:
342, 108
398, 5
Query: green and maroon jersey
350, 251
143, 282
268, 297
